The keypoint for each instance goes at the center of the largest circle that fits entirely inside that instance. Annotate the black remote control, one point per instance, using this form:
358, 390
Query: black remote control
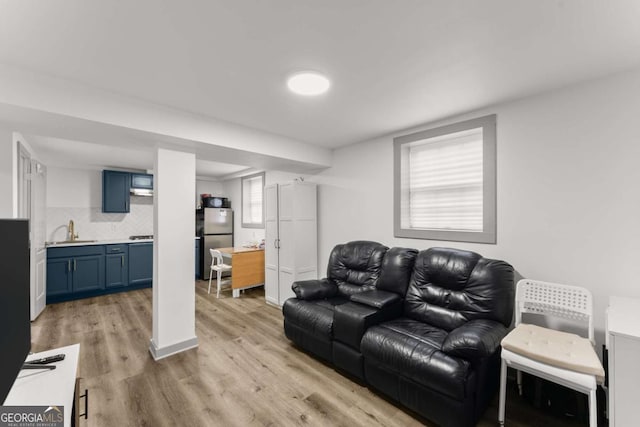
46, 360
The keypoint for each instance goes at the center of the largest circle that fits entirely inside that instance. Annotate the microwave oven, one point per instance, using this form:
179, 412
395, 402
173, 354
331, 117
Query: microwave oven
216, 202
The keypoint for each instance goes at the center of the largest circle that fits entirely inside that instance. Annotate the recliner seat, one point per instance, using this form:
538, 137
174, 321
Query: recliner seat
440, 358
354, 267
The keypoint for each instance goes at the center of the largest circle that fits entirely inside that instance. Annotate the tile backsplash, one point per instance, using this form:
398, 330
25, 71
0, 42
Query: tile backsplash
93, 224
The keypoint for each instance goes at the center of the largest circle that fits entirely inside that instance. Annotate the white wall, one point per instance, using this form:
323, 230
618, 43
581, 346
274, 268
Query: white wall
233, 190
215, 188
77, 194
6, 174
241, 235
74, 188
568, 189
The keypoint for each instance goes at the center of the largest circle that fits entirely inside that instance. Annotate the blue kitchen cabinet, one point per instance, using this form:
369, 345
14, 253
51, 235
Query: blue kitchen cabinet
116, 186
74, 270
59, 276
116, 266
197, 258
140, 263
88, 273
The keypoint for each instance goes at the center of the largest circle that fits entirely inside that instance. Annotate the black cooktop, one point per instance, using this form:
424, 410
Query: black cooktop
146, 237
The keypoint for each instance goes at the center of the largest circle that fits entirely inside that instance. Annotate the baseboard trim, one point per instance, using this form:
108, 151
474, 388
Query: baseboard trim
271, 301
170, 350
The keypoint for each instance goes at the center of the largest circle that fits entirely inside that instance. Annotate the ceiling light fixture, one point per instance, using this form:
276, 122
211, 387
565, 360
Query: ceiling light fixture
308, 83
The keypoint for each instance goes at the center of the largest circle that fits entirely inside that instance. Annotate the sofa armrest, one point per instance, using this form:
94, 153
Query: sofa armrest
351, 320
375, 298
475, 339
314, 289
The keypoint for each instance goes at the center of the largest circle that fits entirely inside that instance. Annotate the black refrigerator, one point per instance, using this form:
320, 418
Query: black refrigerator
214, 226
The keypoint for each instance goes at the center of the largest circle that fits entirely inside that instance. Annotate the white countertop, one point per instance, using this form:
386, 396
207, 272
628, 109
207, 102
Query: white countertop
623, 316
101, 242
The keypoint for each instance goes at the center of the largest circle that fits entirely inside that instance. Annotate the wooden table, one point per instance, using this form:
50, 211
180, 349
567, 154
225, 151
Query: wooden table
247, 268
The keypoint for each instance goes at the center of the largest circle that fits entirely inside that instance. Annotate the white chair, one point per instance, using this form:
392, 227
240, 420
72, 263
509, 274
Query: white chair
560, 357
219, 267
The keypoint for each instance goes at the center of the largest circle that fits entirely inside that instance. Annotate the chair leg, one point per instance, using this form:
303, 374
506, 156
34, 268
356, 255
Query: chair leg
219, 283
503, 392
519, 380
210, 272
593, 409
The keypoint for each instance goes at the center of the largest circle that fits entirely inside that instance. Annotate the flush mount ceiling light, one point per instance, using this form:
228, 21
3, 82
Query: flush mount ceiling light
308, 83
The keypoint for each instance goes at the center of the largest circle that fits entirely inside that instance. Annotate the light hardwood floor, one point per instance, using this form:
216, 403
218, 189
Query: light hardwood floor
244, 372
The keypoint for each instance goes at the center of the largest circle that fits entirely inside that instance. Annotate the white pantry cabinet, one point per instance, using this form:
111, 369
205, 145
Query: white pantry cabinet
623, 343
291, 238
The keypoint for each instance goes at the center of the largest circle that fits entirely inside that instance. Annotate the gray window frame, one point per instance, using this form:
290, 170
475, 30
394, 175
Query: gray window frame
242, 181
488, 233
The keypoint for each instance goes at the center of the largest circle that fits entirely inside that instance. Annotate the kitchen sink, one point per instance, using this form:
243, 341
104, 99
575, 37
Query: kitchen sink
67, 242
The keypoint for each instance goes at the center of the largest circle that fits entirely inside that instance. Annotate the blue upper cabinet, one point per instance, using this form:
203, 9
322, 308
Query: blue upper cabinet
115, 191
142, 180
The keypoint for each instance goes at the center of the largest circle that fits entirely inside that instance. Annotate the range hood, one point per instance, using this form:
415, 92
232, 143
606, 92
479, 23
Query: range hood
144, 192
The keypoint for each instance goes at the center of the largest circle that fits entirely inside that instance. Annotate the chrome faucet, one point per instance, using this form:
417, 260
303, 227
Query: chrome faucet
72, 234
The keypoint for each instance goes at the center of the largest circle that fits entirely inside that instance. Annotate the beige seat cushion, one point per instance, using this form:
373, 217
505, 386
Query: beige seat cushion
560, 349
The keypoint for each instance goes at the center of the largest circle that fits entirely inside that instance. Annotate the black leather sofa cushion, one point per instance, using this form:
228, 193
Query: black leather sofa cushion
450, 287
396, 270
332, 303
376, 299
355, 266
314, 289
475, 339
412, 349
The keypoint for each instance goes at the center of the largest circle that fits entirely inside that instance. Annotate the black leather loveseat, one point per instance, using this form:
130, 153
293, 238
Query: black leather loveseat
423, 328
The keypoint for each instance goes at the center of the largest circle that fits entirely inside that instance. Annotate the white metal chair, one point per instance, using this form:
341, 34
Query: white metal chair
560, 357
219, 267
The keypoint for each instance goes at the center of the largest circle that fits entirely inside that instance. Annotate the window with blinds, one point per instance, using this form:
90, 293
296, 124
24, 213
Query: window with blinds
252, 201
445, 183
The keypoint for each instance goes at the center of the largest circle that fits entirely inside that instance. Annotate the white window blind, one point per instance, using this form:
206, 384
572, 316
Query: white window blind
252, 189
445, 180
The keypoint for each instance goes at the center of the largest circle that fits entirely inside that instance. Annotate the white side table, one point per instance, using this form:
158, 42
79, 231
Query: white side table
623, 343
48, 388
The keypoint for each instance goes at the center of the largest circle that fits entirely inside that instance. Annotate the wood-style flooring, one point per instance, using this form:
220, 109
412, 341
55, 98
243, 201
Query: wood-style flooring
244, 372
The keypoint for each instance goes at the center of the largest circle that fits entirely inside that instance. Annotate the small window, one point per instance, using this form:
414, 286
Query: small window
445, 185
252, 197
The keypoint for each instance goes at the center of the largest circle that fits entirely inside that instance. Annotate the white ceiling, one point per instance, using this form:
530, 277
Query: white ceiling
75, 154
393, 64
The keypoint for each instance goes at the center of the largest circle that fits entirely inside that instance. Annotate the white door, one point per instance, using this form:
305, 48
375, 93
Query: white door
286, 243
38, 237
32, 205
271, 244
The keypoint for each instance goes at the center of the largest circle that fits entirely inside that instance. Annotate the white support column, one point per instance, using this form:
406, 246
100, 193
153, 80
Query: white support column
173, 256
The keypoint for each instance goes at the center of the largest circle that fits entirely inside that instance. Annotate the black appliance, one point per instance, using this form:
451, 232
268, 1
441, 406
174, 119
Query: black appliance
15, 323
216, 202
142, 237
